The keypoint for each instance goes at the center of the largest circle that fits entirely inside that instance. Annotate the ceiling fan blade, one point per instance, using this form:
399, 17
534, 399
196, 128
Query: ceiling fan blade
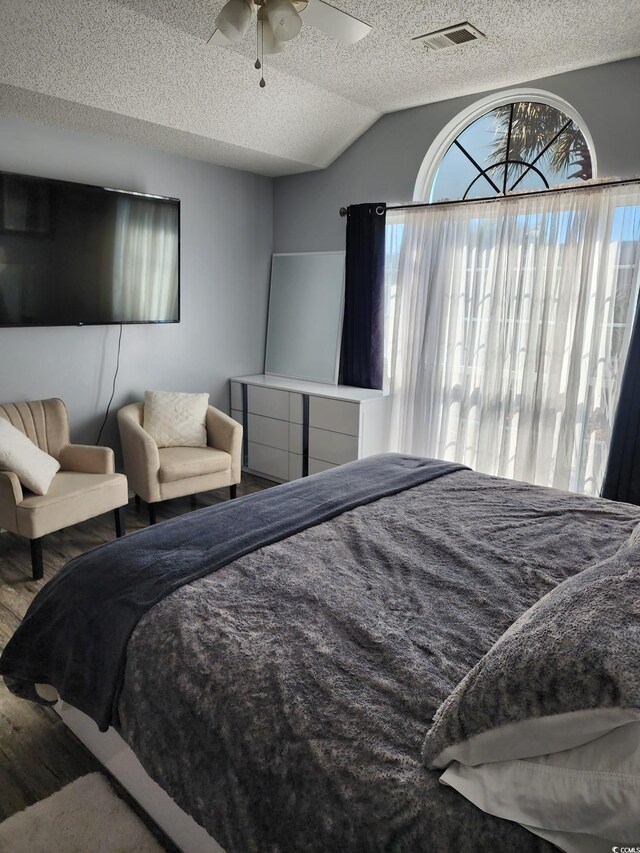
339, 25
218, 38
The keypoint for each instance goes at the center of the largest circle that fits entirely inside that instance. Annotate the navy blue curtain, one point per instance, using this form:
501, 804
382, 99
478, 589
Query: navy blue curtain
362, 352
622, 477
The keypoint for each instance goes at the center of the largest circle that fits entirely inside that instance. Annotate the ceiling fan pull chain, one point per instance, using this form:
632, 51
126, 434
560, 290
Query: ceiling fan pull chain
263, 82
258, 64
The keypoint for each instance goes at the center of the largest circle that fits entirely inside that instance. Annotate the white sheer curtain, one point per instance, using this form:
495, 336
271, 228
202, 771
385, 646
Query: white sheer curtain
511, 327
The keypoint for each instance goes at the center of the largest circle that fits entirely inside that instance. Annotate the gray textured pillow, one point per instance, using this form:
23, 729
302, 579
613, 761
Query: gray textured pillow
575, 650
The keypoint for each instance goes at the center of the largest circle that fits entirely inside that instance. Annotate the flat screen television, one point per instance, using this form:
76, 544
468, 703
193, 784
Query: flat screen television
76, 255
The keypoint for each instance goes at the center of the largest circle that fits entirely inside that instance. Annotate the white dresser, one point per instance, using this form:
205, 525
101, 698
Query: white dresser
293, 427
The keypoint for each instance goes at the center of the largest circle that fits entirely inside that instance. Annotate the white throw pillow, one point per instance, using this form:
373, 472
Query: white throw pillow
34, 468
174, 419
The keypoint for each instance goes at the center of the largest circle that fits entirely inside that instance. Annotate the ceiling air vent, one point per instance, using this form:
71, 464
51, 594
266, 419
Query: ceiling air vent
449, 37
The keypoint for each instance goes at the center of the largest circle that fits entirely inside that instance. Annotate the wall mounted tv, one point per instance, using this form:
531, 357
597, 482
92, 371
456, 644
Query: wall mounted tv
72, 255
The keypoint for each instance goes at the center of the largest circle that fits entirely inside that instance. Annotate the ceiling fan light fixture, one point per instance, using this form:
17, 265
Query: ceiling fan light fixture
234, 19
267, 42
285, 21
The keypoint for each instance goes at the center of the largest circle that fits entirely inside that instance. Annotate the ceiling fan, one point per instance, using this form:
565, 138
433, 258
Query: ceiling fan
278, 21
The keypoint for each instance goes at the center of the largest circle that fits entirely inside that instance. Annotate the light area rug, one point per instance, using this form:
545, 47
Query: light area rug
86, 816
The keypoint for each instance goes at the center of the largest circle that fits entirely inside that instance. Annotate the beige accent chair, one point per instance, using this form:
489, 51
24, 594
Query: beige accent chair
160, 473
85, 485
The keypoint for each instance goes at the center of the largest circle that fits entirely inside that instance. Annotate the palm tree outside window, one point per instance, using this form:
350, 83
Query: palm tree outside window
519, 146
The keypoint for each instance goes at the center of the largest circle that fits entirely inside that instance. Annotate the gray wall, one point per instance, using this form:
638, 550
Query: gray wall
227, 236
225, 253
383, 164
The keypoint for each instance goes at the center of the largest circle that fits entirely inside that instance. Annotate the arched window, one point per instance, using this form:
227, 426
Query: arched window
525, 140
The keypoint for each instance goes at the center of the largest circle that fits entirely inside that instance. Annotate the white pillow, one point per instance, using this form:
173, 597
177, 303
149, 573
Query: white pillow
174, 419
536, 736
545, 729
581, 799
34, 468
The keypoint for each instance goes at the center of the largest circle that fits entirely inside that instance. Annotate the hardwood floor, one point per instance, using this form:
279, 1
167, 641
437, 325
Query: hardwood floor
38, 754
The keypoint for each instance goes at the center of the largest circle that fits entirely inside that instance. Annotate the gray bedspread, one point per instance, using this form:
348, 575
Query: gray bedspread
75, 633
283, 700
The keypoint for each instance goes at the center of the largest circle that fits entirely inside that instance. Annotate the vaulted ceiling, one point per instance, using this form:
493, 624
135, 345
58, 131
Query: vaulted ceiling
142, 70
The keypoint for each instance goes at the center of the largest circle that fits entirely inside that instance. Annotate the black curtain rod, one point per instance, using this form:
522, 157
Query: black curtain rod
411, 206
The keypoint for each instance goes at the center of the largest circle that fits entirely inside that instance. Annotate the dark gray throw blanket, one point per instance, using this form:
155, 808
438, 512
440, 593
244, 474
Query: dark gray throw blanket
283, 700
75, 633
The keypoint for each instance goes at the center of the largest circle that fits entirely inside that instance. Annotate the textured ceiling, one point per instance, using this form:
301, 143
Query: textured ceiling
142, 70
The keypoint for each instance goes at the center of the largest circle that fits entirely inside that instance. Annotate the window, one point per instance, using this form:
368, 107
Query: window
512, 325
509, 321
523, 140
469, 160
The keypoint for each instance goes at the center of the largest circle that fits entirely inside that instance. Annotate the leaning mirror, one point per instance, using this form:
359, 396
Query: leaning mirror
305, 316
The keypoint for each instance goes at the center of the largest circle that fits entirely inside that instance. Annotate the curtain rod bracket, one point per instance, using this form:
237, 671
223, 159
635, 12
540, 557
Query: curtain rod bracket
380, 210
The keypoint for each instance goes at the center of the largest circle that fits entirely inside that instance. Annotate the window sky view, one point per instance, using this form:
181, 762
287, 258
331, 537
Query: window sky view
485, 141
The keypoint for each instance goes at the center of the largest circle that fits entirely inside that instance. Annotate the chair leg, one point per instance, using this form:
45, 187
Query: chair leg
136, 498
36, 558
233, 491
118, 515
152, 513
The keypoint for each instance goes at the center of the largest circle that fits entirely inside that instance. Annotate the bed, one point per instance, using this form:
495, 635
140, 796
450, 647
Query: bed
275, 662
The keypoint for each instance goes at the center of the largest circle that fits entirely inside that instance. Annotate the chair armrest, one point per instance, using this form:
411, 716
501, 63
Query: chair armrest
141, 458
10, 496
87, 459
224, 433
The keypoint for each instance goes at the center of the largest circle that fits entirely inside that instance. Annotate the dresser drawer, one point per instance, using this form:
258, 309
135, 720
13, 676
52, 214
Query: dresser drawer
316, 466
334, 415
295, 407
295, 438
334, 447
270, 402
268, 431
295, 466
268, 461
